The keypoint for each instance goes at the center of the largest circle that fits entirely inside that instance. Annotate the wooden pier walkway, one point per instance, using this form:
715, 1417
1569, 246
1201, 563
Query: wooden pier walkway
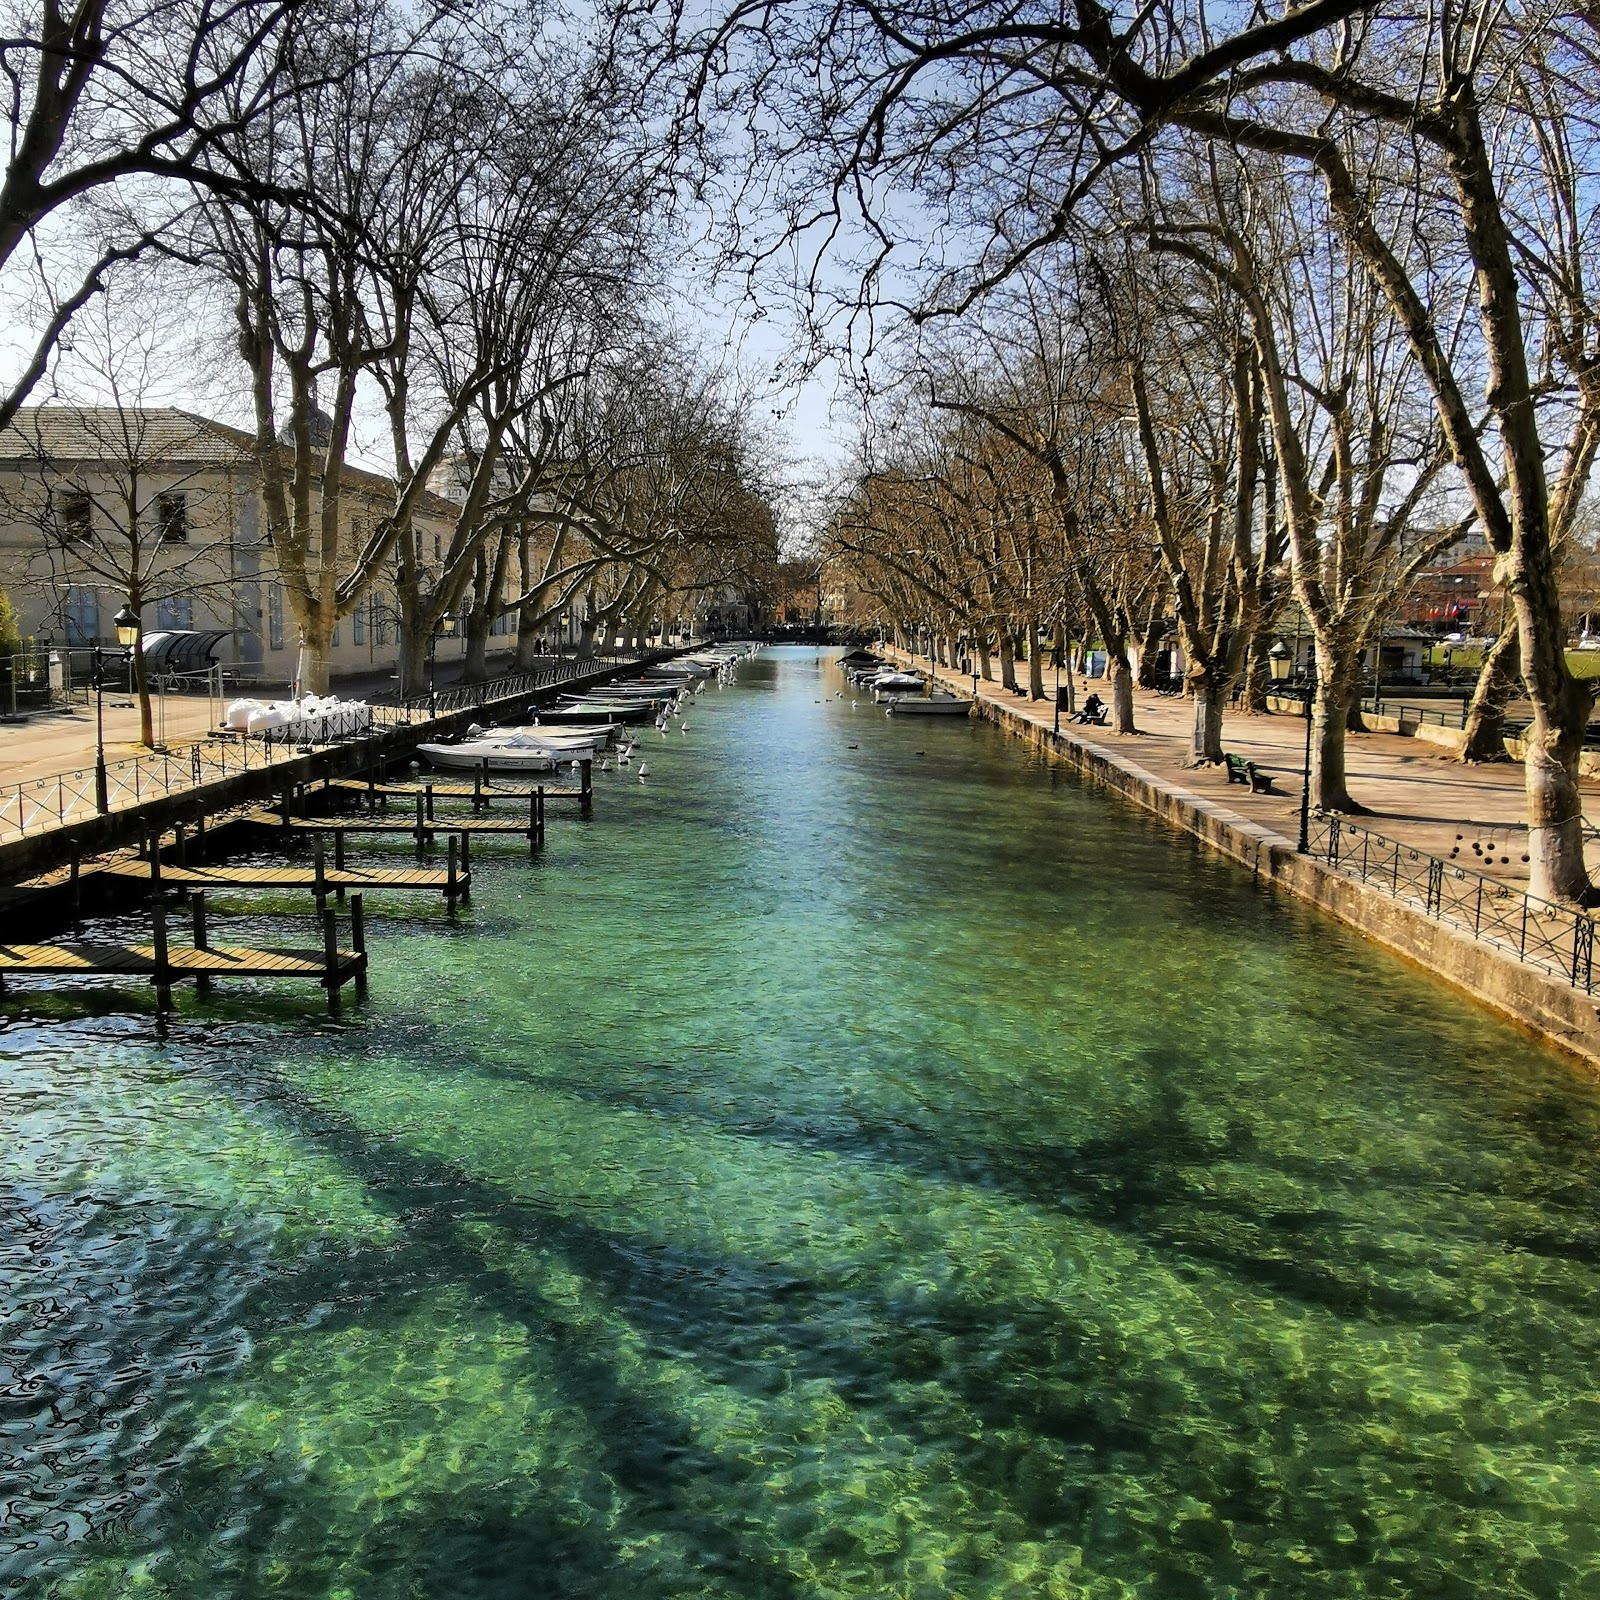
318, 881
165, 964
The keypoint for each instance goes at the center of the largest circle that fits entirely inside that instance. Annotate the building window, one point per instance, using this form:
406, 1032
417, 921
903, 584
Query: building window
81, 616
275, 616
77, 515
333, 638
358, 623
176, 612
172, 517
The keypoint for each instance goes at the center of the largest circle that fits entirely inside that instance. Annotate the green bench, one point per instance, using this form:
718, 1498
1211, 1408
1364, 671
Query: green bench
1242, 771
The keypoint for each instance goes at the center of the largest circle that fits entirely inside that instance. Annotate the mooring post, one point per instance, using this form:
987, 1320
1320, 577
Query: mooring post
586, 785
450, 877
162, 976
533, 819
338, 849
330, 956
197, 912
477, 785
422, 827
372, 791
285, 802
541, 814
358, 939
319, 884
427, 789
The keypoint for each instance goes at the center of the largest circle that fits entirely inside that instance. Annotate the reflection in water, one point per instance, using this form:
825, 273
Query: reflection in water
833, 1172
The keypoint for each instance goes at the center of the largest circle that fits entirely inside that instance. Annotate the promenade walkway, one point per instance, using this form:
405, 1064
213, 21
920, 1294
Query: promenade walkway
1415, 792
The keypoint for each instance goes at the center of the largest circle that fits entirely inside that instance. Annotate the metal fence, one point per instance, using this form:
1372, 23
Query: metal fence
1557, 940
1442, 713
34, 806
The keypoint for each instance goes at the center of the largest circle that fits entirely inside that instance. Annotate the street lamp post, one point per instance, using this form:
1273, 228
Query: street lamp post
445, 628
127, 626
1057, 655
1281, 662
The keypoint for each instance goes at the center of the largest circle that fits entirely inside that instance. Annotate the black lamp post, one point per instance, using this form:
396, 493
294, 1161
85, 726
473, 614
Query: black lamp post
127, 626
446, 627
1281, 662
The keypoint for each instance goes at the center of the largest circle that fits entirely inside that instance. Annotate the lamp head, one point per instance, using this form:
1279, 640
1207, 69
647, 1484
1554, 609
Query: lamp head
1280, 660
127, 626
447, 624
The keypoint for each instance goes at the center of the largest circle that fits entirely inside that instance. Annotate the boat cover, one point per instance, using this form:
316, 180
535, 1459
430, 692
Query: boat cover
182, 650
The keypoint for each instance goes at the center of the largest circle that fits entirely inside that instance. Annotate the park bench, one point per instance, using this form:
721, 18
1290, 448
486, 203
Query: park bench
1242, 771
1095, 718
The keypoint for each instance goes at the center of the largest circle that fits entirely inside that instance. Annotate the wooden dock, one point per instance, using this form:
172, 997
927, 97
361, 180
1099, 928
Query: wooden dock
165, 964
318, 879
422, 827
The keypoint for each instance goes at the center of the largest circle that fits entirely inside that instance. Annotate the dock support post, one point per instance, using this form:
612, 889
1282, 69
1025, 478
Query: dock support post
372, 792
477, 785
466, 856
197, 912
319, 882
358, 939
330, 957
450, 877
422, 828
338, 849
586, 786
533, 818
178, 854
285, 807
427, 789
200, 838
162, 976
541, 814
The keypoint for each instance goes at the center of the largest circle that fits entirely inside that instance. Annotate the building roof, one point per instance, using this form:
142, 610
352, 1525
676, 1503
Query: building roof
151, 435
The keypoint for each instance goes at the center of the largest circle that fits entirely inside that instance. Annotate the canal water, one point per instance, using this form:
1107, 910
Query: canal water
861, 1162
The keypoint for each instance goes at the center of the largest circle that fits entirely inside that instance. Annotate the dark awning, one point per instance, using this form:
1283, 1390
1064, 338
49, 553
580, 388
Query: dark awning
186, 650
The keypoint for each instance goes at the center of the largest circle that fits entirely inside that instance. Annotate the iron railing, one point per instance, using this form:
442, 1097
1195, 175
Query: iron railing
38, 804
1442, 713
1557, 940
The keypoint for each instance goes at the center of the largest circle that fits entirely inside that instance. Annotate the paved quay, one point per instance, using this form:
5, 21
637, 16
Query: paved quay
1414, 791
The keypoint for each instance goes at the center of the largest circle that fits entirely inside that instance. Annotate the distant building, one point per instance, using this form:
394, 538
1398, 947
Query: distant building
75, 481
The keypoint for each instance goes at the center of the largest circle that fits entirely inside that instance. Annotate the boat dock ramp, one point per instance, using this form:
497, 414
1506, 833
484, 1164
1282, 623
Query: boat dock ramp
172, 867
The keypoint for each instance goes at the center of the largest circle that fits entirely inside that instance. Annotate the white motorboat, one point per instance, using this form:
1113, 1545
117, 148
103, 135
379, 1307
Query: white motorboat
516, 752
911, 705
895, 683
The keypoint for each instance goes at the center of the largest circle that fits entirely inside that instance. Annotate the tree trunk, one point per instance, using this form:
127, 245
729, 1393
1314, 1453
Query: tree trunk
985, 665
1035, 662
527, 651
1255, 681
475, 664
1150, 643
413, 662
318, 636
1329, 791
1485, 729
586, 640
1121, 694
1556, 868
141, 687
1008, 661
1206, 747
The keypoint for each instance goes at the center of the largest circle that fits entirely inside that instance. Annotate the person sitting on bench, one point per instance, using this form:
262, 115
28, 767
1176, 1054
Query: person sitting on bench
1094, 710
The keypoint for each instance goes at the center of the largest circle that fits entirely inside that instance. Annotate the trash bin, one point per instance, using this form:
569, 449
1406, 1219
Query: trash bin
1063, 698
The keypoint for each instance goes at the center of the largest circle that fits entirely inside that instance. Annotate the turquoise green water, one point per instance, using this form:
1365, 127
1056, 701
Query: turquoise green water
860, 1163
